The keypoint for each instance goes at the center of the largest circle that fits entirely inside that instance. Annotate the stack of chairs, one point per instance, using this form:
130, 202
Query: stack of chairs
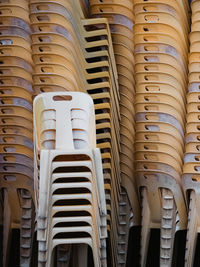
120, 17
191, 167
72, 53
161, 47
16, 137
69, 180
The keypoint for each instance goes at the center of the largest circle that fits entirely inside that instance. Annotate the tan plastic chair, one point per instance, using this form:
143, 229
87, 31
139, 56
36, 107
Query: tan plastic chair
192, 137
151, 216
163, 18
15, 81
159, 137
159, 126
49, 69
15, 31
155, 117
159, 87
160, 98
162, 7
160, 147
194, 37
17, 23
149, 77
16, 92
143, 55
118, 8
16, 41
192, 147
22, 3
181, 7
159, 67
161, 108
160, 28
12, 120
16, 130
14, 11
17, 148
15, 71
193, 107
154, 34
193, 117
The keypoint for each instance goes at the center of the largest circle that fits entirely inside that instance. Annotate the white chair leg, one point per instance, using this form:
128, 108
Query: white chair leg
168, 228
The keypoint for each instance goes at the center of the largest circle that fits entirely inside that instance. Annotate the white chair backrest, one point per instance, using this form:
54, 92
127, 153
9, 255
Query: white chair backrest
64, 121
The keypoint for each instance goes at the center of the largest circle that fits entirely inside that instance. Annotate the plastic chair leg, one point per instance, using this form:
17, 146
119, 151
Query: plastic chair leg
168, 227
145, 234
27, 227
6, 228
192, 230
42, 254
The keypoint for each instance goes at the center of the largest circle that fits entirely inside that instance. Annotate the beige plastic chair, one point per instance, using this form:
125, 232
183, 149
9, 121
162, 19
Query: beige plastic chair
14, 11
159, 137
163, 88
179, 6
160, 27
159, 127
151, 53
144, 77
162, 7
65, 100
156, 33
160, 98
16, 91
68, 185
15, 71
151, 216
9, 21
70, 175
16, 31
16, 51
15, 81
194, 37
157, 17
161, 108
159, 67
161, 147
118, 8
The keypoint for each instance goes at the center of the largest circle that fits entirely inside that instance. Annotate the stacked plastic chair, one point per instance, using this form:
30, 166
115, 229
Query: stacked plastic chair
161, 47
16, 142
121, 18
59, 36
191, 160
68, 172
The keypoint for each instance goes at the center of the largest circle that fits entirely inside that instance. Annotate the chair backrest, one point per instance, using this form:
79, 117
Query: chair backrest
64, 121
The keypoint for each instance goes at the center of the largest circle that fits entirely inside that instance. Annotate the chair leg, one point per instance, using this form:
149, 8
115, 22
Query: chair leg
168, 227
6, 228
192, 231
27, 228
145, 233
